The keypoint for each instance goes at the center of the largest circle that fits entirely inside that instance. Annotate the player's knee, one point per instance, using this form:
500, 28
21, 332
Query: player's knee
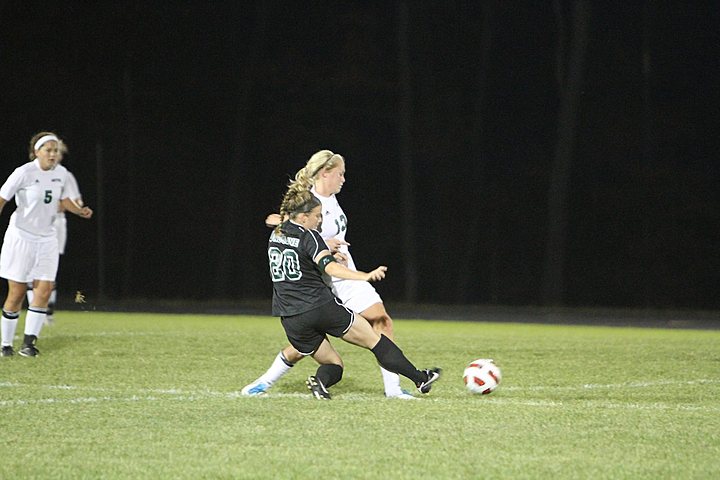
291, 355
383, 324
15, 298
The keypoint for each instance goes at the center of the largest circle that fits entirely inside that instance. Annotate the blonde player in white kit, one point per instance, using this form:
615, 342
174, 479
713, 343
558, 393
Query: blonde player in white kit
324, 176
30, 247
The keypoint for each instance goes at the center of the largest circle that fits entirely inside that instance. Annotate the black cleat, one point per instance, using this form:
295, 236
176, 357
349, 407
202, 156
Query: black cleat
433, 374
317, 388
29, 351
7, 351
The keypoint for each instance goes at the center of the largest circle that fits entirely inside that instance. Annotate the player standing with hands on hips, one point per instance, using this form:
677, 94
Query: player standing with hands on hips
30, 247
298, 257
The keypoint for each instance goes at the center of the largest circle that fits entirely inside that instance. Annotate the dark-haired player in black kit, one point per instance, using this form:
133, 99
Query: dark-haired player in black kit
309, 311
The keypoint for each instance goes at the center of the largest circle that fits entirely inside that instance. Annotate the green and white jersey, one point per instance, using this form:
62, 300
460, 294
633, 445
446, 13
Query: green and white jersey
356, 295
298, 285
37, 195
73, 191
334, 225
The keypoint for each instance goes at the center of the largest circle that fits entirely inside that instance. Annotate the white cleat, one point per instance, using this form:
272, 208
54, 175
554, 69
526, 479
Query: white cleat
403, 395
255, 389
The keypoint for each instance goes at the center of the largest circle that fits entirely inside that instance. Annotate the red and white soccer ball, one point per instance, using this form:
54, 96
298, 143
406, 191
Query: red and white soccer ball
482, 376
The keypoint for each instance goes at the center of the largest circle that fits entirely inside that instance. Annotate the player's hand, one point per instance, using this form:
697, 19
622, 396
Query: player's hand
273, 220
377, 274
85, 212
341, 258
334, 244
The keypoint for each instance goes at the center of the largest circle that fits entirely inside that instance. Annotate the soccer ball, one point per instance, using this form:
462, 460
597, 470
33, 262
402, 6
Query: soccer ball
482, 376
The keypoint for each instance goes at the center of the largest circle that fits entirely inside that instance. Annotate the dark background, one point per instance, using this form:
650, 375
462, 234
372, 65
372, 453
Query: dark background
186, 119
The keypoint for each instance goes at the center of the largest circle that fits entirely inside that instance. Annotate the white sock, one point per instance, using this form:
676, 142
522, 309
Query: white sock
8, 327
392, 383
30, 296
34, 320
278, 368
53, 297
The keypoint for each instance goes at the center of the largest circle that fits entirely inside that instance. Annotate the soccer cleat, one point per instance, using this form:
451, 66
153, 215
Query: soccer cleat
433, 375
7, 351
29, 351
256, 388
317, 388
403, 395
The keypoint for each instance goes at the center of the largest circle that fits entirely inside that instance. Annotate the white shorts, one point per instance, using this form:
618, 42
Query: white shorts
357, 295
23, 259
60, 225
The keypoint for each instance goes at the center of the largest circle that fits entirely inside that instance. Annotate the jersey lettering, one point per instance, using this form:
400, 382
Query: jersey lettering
284, 265
341, 223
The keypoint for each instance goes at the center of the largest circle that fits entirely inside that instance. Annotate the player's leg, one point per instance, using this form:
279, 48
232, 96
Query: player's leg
328, 373
382, 323
43, 273
30, 287
51, 301
388, 354
61, 230
11, 314
49, 319
362, 297
378, 318
16, 262
304, 341
283, 362
35, 317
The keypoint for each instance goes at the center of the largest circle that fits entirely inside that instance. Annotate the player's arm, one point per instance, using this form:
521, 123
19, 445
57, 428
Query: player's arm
72, 207
327, 264
10, 187
334, 243
78, 200
341, 257
273, 220
73, 190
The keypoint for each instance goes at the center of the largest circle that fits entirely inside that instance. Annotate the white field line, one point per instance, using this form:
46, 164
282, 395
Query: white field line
99, 334
105, 394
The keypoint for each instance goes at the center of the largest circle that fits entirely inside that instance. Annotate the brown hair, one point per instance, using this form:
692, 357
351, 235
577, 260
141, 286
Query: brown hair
34, 139
296, 202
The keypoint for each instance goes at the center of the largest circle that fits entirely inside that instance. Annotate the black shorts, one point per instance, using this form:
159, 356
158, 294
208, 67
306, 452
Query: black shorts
306, 331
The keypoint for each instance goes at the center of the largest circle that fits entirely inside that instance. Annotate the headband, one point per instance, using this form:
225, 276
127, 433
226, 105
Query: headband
323, 165
43, 140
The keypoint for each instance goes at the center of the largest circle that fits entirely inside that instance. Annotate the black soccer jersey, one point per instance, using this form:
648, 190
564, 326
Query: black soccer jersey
298, 285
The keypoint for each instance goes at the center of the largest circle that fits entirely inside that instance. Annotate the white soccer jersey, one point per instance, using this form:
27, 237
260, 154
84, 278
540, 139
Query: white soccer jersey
334, 224
71, 186
356, 295
37, 194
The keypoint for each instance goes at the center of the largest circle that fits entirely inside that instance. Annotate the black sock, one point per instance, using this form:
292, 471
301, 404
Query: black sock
329, 374
392, 358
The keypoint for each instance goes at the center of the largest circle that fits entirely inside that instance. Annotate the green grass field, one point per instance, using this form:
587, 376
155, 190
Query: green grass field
117, 395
